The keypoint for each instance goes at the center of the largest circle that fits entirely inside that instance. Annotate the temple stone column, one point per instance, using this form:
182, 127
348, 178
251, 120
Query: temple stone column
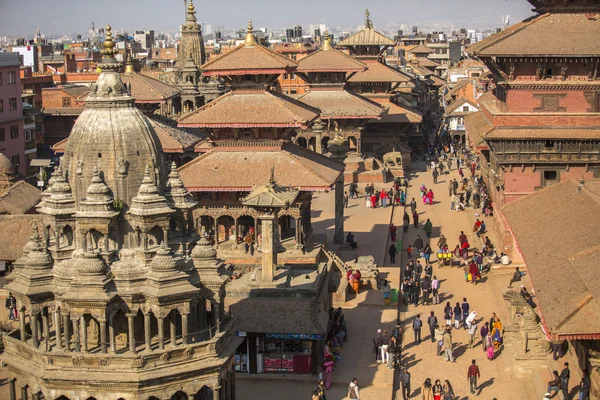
103, 344
318, 143
269, 255
217, 393
67, 329
111, 335
22, 323
33, 323
12, 389
184, 328
84, 341
24, 394
45, 326
358, 146
339, 148
147, 332
57, 330
338, 236
76, 339
173, 330
161, 333
131, 332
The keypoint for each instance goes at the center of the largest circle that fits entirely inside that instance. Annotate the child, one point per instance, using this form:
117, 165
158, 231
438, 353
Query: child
409, 252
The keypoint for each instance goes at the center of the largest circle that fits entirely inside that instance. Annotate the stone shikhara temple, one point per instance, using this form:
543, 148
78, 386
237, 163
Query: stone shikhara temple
116, 297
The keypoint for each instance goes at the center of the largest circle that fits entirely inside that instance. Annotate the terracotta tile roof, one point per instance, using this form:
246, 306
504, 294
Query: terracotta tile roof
291, 48
543, 133
247, 109
225, 169
331, 60
173, 139
77, 91
459, 103
19, 198
378, 72
14, 234
477, 126
425, 62
395, 114
556, 230
418, 70
367, 37
146, 89
437, 81
244, 60
60, 147
549, 34
66, 111
419, 49
263, 315
340, 104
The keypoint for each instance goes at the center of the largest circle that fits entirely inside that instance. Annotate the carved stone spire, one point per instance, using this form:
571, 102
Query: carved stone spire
149, 202
176, 194
99, 201
59, 200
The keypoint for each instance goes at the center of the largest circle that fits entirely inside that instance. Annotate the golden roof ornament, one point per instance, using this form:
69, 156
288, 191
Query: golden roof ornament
368, 22
327, 41
250, 39
129, 65
109, 62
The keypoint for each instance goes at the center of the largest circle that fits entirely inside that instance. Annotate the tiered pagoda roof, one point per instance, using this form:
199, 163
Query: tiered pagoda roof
368, 36
338, 103
296, 167
251, 109
378, 72
146, 89
329, 59
552, 34
249, 58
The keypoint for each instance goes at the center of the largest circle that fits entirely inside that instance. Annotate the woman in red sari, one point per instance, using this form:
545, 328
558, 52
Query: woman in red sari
430, 197
373, 201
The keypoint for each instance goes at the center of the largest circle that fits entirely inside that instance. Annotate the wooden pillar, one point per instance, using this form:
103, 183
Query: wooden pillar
67, 329
173, 329
184, 328
161, 333
216, 231
103, 344
147, 332
24, 395
111, 335
33, 323
358, 146
57, 330
84, 341
131, 332
22, 323
217, 393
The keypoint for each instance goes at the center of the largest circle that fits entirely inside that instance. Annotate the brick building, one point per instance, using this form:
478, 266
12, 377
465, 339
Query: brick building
12, 138
61, 106
539, 125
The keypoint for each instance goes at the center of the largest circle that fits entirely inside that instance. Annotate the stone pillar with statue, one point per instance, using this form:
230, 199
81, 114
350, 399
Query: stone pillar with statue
338, 147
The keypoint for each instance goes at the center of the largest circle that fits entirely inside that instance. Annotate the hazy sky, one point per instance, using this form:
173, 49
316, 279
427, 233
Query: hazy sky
55, 17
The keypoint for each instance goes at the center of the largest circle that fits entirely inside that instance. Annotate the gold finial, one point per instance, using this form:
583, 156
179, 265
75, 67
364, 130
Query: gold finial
129, 65
108, 52
327, 41
109, 43
368, 23
250, 39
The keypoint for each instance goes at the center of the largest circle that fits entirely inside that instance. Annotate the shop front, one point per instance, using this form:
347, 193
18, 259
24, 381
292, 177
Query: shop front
278, 353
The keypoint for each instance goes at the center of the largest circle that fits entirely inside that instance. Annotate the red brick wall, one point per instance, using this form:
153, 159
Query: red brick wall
53, 98
524, 100
520, 183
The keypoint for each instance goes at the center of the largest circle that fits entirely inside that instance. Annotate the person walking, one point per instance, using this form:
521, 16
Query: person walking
448, 313
435, 174
565, 375
353, 392
11, 305
465, 310
393, 231
428, 227
472, 375
405, 383
377, 344
485, 329
447, 342
448, 391
472, 333
415, 216
435, 290
418, 245
427, 390
427, 251
413, 205
432, 322
439, 339
425, 288
438, 390
457, 315
392, 251
384, 341
416, 292
417, 324
405, 221
450, 188
346, 197
584, 386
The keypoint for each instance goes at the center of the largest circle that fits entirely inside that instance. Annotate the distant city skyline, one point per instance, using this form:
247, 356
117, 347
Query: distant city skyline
60, 17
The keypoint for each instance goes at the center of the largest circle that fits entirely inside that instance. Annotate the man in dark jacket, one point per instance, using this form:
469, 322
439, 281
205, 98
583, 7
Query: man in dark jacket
426, 288
432, 322
417, 325
565, 374
405, 383
11, 304
418, 245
